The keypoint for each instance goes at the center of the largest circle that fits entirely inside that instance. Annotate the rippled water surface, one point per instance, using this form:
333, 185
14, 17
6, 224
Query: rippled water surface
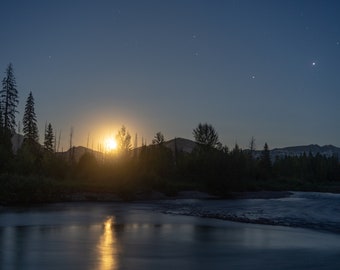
153, 235
320, 211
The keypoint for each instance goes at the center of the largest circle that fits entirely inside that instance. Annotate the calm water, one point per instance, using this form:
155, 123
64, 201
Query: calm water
140, 236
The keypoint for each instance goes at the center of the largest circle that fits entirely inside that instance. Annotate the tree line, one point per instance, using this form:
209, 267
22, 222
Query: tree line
31, 153
210, 166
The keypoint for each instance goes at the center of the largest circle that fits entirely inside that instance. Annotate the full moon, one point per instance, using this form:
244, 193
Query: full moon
110, 144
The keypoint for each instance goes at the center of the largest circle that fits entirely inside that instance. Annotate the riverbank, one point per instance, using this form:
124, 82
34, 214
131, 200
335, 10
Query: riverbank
189, 194
31, 190
151, 195
144, 196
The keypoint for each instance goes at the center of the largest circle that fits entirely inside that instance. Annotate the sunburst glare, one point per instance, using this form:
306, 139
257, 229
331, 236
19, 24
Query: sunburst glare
110, 144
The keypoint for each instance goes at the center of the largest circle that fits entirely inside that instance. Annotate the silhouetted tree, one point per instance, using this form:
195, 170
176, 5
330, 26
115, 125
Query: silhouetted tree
29, 156
158, 139
265, 162
308, 168
265, 157
30, 121
71, 150
135, 142
206, 136
123, 138
5, 144
9, 99
2, 128
8, 104
162, 159
252, 146
251, 162
49, 139
1, 119
237, 164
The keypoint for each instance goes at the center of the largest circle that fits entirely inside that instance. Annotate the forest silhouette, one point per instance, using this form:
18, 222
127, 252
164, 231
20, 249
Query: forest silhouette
38, 173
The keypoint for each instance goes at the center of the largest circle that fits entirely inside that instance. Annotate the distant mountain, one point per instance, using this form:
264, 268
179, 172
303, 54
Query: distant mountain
187, 146
76, 152
314, 149
181, 144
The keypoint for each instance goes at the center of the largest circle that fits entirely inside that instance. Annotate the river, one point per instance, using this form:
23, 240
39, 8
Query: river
174, 234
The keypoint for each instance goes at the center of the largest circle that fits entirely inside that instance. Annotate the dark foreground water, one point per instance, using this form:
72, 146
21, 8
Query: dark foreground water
142, 236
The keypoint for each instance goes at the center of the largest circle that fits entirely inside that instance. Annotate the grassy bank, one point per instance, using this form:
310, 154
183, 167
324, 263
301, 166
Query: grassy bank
29, 189
37, 189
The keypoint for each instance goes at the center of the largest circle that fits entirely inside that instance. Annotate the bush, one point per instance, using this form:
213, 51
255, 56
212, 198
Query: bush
32, 189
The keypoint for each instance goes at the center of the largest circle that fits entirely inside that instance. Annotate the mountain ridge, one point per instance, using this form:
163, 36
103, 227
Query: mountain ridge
187, 146
313, 149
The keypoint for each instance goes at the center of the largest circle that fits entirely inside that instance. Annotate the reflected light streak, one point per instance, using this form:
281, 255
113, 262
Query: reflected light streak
107, 247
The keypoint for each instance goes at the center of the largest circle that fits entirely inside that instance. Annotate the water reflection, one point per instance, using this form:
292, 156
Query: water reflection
107, 247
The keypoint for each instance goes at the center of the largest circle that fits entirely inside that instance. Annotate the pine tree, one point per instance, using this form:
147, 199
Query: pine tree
265, 162
252, 146
5, 144
30, 121
9, 99
2, 130
49, 139
1, 119
265, 156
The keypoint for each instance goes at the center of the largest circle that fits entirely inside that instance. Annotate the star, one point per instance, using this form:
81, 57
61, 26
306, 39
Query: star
313, 64
253, 77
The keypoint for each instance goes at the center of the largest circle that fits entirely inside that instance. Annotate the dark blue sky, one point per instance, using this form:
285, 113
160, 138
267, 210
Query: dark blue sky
246, 67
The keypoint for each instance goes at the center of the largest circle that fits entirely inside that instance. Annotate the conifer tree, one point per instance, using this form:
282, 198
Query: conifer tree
30, 121
2, 129
1, 119
49, 139
5, 144
265, 156
9, 99
265, 162
252, 146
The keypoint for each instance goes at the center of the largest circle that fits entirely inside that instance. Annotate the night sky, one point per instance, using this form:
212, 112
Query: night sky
268, 69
